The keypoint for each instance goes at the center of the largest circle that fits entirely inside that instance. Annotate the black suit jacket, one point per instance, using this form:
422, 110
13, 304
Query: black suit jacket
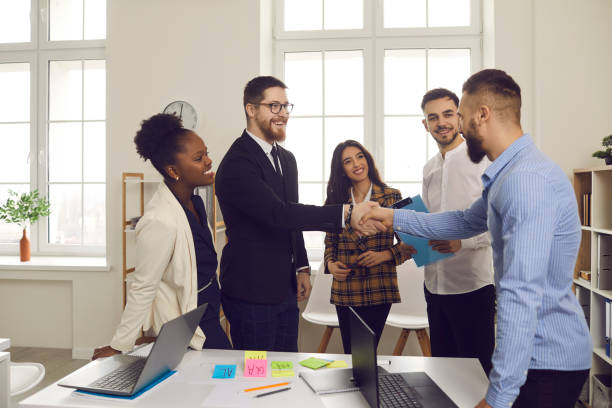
263, 223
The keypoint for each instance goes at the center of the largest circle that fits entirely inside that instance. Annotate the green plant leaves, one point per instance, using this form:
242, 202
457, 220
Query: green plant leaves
24, 209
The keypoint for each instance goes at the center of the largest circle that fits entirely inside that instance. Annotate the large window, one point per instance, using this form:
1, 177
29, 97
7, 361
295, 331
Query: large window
357, 69
53, 120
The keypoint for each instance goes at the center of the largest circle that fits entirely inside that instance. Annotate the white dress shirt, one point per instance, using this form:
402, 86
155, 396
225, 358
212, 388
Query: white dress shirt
454, 183
267, 148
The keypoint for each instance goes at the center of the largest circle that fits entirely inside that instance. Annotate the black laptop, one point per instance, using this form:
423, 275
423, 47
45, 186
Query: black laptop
126, 375
383, 389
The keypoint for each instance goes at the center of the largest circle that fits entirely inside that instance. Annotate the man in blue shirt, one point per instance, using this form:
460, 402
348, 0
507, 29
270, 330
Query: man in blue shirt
543, 347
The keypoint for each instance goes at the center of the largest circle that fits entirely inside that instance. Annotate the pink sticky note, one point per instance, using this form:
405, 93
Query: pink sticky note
255, 368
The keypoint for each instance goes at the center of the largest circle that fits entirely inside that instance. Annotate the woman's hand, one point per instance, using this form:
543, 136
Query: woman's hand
373, 258
339, 270
105, 351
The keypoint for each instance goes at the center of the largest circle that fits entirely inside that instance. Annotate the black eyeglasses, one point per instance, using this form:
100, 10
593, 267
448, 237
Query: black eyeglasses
276, 107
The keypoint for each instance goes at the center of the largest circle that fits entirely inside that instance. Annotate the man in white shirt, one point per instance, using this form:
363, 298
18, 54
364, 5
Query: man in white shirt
459, 290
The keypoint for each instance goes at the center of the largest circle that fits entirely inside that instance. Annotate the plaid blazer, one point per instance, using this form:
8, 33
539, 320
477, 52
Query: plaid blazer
365, 286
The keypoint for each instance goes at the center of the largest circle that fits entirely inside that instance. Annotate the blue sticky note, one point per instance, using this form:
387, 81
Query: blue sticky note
425, 255
224, 371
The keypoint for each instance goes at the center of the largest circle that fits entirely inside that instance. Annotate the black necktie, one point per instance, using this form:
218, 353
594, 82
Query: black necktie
278, 169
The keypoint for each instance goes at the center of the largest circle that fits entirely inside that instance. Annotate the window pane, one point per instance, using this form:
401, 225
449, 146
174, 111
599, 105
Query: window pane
65, 20
11, 233
15, 92
448, 68
94, 78
343, 14
14, 154
404, 81
304, 77
95, 19
94, 152
448, 13
65, 152
344, 83
65, 90
66, 214
303, 15
312, 194
95, 217
304, 140
15, 21
405, 144
408, 189
337, 130
404, 13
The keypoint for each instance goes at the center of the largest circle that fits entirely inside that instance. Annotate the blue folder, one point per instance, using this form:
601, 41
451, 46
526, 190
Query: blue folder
425, 255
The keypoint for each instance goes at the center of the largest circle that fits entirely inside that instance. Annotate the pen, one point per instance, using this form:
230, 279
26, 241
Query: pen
265, 386
272, 392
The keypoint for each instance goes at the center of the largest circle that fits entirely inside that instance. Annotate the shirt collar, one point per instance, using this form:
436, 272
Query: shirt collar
456, 150
266, 147
507, 155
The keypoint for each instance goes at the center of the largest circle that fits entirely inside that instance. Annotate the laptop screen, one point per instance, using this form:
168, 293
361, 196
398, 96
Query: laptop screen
363, 348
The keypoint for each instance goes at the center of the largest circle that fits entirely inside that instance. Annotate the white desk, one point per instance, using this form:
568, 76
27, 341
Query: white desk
463, 380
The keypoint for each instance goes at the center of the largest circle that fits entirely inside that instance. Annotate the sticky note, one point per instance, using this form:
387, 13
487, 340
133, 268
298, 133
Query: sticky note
224, 371
314, 363
255, 368
255, 355
282, 369
337, 364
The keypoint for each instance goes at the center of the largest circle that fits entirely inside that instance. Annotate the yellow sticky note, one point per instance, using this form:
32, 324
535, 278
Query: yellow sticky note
337, 364
255, 355
283, 373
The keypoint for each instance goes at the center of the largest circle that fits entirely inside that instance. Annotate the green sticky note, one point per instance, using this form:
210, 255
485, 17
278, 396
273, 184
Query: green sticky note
283, 373
282, 365
255, 355
337, 364
314, 363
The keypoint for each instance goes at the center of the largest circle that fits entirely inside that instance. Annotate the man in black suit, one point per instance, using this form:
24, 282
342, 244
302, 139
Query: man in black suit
264, 268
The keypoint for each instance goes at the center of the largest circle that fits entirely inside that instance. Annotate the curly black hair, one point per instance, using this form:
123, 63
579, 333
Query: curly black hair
159, 140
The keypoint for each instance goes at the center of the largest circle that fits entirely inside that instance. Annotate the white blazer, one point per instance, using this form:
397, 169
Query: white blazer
164, 283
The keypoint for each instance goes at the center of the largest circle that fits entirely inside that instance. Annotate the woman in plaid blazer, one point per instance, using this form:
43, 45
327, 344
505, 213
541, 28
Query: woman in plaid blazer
363, 268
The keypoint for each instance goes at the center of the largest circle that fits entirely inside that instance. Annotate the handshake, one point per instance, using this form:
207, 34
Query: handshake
368, 218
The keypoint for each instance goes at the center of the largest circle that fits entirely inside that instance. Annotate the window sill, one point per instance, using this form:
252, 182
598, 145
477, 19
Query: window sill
55, 263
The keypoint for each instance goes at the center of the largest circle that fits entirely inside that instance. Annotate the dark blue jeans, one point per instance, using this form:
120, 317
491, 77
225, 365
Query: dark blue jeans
215, 336
551, 389
263, 327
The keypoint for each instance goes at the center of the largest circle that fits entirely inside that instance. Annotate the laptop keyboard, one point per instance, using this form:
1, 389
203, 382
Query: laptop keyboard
394, 392
121, 379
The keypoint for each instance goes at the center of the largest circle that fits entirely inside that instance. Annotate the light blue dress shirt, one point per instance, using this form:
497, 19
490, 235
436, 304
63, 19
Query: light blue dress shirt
529, 207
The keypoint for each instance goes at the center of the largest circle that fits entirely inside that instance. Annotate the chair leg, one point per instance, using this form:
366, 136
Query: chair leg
325, 339
401, 342
424, 342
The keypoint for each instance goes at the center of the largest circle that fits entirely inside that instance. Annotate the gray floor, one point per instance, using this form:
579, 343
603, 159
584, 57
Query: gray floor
58, 363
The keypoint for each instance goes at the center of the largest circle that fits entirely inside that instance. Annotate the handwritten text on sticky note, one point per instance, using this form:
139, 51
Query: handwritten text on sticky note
255, 355
224, 371
255, 368
282, 369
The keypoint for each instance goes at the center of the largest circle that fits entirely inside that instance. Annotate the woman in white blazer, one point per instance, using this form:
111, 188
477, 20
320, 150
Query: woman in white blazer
176, 260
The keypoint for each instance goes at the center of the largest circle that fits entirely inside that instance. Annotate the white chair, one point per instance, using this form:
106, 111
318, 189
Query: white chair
318, 309
25, 376
411, 314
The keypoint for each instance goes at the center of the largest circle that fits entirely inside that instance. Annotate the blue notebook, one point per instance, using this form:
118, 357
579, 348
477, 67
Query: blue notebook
425, 255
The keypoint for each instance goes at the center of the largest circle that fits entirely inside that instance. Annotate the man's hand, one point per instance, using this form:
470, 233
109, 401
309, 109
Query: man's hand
373, 258
339, 270
366, 227
105, 351
303, 286
446, 247
483, 404
407, 250
382, 215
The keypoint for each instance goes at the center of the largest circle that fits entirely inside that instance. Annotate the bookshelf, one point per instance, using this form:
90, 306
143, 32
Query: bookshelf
593, 189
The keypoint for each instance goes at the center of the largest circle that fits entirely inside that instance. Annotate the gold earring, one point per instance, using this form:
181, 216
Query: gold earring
177, 178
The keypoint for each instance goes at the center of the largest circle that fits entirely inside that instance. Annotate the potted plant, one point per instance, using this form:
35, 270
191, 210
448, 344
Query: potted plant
605, 154
23, 210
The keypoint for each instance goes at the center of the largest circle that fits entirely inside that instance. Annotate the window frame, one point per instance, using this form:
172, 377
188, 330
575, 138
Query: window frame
39, 52
374, 39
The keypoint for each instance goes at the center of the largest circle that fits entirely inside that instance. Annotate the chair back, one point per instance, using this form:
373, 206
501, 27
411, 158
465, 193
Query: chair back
318, 307
410, 280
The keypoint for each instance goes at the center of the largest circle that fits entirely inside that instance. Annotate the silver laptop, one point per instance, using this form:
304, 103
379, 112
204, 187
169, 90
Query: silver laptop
383, 389
126, 375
